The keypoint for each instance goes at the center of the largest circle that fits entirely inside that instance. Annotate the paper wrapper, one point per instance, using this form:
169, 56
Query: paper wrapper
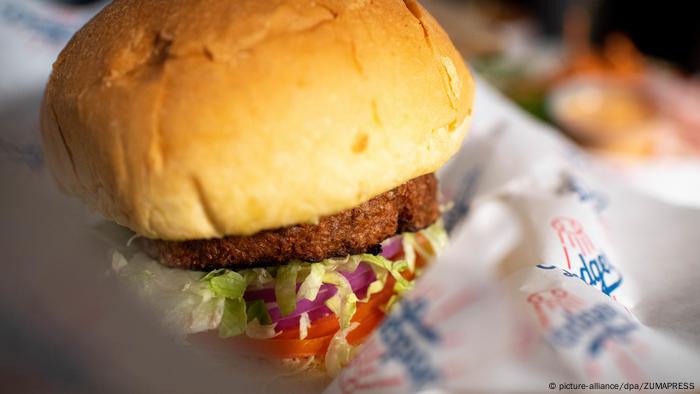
556, 275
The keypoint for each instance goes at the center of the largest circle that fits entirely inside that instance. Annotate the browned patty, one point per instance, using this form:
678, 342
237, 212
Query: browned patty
409, 207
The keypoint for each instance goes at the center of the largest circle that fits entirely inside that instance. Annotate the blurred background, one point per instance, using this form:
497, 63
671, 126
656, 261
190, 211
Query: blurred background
619, 77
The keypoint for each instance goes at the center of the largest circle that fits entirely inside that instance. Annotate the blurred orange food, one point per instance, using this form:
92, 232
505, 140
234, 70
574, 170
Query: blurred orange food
605, 114
598, 96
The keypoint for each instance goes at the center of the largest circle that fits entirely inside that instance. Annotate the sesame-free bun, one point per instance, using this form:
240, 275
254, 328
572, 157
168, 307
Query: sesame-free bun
188, 119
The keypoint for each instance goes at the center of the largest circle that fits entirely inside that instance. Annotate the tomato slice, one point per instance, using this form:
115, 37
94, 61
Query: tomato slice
280, 348
294, 348
318, 328
366, 327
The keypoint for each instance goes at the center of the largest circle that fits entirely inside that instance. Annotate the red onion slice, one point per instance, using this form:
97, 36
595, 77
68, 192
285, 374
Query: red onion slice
314, 314
393, 247
268, 294
327, 291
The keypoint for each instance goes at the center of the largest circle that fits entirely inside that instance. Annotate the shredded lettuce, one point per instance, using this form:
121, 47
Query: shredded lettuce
312, 283
119, 262
436, 236
304, 323
259, 331
348, 264
393, 267
390, 304
286, 288
295, 366
257, 277
186, 304
204, 315
333, 304
378, 284
344, 302
409, 253
229, 286
339, 351
233, 320
226, 284
257, 310
132, 239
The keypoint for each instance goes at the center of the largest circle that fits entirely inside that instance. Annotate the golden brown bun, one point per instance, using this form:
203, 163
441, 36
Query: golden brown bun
202, 118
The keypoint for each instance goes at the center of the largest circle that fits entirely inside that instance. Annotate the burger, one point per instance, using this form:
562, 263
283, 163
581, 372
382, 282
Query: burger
274, 159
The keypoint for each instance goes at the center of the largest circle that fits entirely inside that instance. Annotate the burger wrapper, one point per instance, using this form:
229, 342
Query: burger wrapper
557, 277
557, 274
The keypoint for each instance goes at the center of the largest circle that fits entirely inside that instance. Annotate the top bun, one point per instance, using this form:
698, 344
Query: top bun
188, 119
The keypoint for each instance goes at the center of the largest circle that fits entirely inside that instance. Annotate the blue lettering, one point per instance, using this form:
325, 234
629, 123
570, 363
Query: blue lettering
595, 270
609, 332
599, 270
577, 325
585, 274
604, 264
606, 287
412, 312
562, 337
600, 202
404, 348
